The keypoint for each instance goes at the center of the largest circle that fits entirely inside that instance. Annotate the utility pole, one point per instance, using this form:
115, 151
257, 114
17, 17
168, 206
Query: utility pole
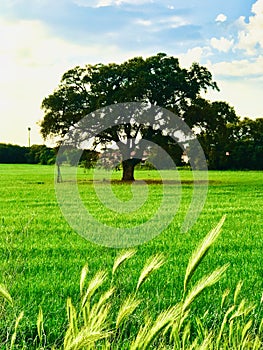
29, 129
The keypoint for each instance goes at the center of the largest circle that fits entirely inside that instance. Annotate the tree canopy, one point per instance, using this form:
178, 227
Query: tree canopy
157, 80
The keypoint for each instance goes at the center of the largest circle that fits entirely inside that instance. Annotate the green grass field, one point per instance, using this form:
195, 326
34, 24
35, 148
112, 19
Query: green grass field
42, 257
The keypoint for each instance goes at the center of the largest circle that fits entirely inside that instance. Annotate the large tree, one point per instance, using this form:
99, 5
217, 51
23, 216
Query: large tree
158, 80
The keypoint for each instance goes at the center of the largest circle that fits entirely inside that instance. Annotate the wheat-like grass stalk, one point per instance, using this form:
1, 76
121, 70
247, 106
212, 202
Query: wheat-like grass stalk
177, 324
94, 327
13, 338
164, 319
121, 258
97, 321
142, 333
103, 299
72, 330
94, 284
206, 344
205, 282
186, 335
152, 329
201, 330
224, 296
237, 291
5, 294
152, 264
245, 330
223, 324
242, 310
83, 275
126, 309
86, 339
201, 251
40, 325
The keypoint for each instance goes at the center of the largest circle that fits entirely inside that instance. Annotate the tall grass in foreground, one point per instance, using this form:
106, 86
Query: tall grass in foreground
91, 324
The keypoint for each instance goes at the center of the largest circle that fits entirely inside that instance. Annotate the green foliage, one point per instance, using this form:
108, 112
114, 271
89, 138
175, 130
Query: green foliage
89, 159
36, 154
247, 147
12, 154
157, 80
228, 142
41, 154
233, 144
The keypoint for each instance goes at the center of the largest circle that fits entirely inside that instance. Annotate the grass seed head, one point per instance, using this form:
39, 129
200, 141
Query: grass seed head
5, 294
201, 251
83, 275
126, 309
121, 258
152, 264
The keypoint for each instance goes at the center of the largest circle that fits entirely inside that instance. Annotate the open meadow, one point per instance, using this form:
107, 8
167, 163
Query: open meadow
42, 257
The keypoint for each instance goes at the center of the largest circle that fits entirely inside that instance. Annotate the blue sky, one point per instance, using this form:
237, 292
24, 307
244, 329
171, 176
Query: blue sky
41, 39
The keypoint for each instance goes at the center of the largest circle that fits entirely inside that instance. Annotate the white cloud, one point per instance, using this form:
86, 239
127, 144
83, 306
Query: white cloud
103, 3
221, 18
257, 7
250, 36
143, 22
192, 55
222, 44
162, 23
239, 68
174, 21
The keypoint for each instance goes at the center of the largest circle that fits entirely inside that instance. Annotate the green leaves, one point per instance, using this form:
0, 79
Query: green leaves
158, 80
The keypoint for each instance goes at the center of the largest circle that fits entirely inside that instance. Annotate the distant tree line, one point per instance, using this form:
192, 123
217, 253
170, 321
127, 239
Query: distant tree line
36, 154
234, 146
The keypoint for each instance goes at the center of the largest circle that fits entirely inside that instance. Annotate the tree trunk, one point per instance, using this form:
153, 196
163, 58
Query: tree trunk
128, 166
59, 177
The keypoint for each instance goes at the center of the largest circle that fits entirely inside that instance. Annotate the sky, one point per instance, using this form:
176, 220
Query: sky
42, 39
